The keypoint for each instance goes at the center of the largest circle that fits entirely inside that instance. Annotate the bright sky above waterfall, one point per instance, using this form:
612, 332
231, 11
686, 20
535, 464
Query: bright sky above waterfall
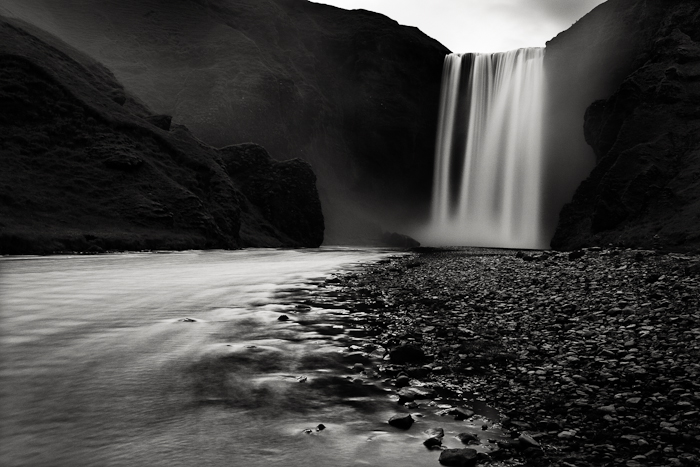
480, 25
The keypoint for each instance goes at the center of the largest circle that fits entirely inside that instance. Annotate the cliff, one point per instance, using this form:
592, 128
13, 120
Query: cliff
88, 167
351, 92
644, 189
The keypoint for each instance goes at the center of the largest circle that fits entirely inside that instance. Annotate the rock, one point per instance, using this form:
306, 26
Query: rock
187, 320
283, 318
393, 239
433, 443
633, 195
528, 441
402, 381
323, 84
435, 432
468, 438
401, 421
409, 394
320, 427
461, 414
406, 353
160, 121
466, 457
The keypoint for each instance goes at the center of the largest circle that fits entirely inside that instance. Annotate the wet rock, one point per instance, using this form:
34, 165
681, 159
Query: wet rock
409, 394
407, 353
527, 441
468, 438
465, 457
283, 318
433, 443
320, 427
187, 320
402, 381
435, 432
461, 414
401, 421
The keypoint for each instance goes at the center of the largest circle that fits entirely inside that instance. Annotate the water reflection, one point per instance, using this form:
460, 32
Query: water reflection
99, 368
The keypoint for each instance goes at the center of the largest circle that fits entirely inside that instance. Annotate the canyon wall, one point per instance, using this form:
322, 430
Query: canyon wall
87, 167
351, 92
626, 78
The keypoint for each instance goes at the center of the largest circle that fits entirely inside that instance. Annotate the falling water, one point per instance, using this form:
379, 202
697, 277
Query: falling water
488, 156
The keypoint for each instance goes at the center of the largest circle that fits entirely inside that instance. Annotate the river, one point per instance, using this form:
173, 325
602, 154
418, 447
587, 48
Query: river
180, 359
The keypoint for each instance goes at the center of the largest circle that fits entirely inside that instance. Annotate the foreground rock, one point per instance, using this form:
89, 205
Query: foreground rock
591, 360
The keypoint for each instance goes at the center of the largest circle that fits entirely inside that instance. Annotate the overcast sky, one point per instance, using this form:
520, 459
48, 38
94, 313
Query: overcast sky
481, 25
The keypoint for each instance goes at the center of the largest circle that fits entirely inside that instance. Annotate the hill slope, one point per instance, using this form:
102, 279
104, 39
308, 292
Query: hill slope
351, 92
87, 167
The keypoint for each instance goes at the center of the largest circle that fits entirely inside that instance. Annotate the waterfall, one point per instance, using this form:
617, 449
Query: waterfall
487, 182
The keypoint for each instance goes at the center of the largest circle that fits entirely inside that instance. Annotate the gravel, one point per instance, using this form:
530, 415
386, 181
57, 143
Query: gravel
591, 358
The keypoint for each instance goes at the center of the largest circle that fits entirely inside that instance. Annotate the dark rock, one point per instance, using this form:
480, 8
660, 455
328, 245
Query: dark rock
577, 254
406, 353
402, 421
321, 83
187, 320
283, 318
393, 239
461, 414
466, 457
646, 138
432, 443
320, 427
402, 380
409, 394
125, 162
284, 193
160, 121
468, 438
435, 432
173, 193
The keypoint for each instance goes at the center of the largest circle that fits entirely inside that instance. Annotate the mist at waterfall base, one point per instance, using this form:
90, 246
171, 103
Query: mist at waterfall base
487, 188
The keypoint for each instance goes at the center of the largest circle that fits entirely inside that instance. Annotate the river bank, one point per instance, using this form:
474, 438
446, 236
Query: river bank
591, 357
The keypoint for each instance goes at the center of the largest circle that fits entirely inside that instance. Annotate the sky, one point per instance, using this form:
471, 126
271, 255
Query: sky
480, 25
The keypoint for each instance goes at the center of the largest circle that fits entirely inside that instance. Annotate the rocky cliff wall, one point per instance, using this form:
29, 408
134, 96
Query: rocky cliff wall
86, 167
351, 92
645, 189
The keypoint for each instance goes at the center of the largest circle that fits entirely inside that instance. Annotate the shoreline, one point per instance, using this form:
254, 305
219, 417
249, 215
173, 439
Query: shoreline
594, 355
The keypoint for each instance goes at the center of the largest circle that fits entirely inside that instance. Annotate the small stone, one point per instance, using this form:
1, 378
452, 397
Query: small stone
458, 457
468, 438
283, 318
435, 432
402, 381
401, 421
461, 414
432, 443
320, 427
407, 353
528, 441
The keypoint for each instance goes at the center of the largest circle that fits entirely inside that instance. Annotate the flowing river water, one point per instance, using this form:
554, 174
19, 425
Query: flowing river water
179, 359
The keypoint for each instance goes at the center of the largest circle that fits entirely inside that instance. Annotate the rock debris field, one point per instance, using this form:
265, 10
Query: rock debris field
592, 358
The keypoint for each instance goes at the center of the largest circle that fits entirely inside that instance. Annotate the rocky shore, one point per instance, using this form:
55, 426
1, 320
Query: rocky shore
591, 357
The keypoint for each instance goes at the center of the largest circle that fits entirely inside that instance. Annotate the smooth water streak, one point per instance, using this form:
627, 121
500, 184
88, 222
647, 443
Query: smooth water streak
488, 161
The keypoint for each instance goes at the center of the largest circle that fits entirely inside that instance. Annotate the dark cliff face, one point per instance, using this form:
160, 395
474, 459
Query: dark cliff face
351, 92
645, 188
585, 63
86, 167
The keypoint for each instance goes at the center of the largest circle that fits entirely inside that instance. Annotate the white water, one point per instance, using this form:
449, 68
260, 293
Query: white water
487, 182
96, 368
